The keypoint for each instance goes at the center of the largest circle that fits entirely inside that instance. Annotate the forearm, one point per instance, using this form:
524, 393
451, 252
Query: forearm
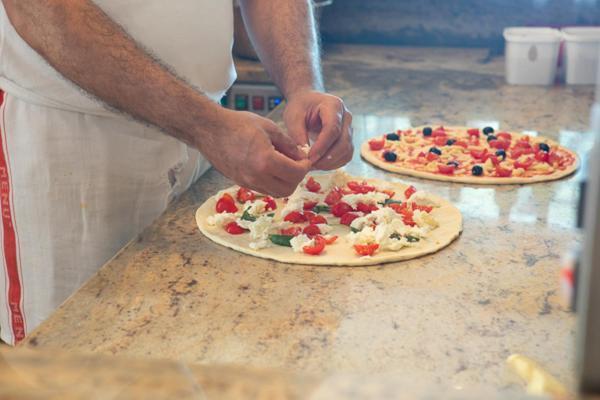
91, 50
284, 35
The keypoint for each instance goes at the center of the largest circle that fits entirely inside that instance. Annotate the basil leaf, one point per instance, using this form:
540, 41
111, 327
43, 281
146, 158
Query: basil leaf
391, 201
412, 239
396, 235
320, 209
281, 240
271, 215
354, 229
246, 216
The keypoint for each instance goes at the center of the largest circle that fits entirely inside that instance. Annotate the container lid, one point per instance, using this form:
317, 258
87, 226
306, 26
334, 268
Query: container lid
528, 35
581, 33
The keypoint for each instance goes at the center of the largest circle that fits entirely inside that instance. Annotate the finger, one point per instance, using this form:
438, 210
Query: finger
287, 169
331, 119
341, 151
284, 144
296, 127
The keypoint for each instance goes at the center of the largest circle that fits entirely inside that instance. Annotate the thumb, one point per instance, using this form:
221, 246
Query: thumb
283, 143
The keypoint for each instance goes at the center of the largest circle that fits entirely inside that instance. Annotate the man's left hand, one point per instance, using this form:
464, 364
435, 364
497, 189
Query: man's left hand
324, 120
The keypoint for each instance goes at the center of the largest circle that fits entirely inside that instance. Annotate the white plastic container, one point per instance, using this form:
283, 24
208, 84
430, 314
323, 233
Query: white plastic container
582, 49
531, 55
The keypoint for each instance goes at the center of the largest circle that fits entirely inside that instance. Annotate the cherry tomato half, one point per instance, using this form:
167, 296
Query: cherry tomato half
226, 204
317, 248
366, 249
375, 144
244, 195
234, 229
312, 185
340, 208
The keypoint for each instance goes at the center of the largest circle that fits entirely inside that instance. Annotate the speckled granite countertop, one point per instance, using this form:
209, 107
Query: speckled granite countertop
449, 319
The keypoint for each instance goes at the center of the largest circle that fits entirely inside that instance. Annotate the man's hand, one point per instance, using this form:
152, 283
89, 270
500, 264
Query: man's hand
255, 153
324, 120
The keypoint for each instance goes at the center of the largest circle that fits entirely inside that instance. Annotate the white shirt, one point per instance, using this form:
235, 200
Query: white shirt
193, 37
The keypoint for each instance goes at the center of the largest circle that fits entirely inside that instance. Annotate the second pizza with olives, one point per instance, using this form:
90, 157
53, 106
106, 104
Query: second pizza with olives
470, 155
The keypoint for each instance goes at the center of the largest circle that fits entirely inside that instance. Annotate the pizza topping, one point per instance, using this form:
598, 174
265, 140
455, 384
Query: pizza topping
504, 136
392, 136
544, 147
366, 208
367, 198
291, 231
474, 132
243, 195
365, 250
295, 217
477, 170
390, 156
541, 156
342, 208
446, 169
501, 154
309, 205
330, 239
491, 137
271, 204
347, 218
503, 172
334, 196
253, 208
226, 204
363, 187
221, 219
498, 144
409, 192
435, 150
312, 185
376, 144
427, 131
321, 209
488, 130
316, 248
317, 219
450, 142
298, 242
524, 162
432, 156
234, 229
282, 240
311, 230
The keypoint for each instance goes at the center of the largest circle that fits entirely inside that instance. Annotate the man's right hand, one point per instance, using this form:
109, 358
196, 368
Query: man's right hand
254, 152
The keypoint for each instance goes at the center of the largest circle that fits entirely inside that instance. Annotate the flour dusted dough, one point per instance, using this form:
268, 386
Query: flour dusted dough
341, 252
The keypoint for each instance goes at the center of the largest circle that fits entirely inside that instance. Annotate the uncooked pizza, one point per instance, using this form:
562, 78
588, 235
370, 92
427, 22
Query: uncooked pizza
470, 155
332, 219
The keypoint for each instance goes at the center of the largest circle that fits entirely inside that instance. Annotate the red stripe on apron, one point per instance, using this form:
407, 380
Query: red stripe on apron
10, 243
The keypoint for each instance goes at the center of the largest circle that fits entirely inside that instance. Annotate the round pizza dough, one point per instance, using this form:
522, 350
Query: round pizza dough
374, 159
341, 252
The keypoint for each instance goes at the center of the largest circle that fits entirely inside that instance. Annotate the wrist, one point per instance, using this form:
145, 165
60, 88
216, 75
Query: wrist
299, 91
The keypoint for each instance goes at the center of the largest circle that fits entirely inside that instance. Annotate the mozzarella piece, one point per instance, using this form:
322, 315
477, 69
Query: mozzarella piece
300, 241
221, 219
259, 231
424, 199
424, 220
365, 236
324, 228
367, 198
338, 178
256, 207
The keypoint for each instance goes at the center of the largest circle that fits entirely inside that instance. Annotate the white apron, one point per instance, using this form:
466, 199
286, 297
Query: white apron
77, 181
